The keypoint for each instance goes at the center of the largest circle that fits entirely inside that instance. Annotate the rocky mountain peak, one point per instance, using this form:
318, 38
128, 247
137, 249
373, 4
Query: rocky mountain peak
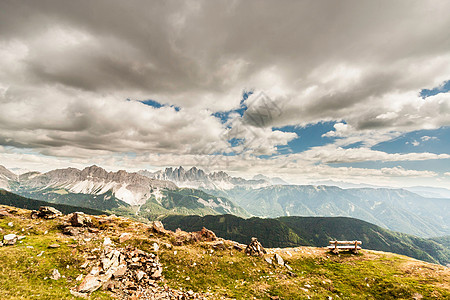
7, 174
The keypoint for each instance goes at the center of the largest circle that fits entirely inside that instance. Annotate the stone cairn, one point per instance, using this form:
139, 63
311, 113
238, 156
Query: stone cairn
255, 248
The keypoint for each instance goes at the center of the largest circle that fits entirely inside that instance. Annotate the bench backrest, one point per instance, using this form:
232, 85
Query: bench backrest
346, 242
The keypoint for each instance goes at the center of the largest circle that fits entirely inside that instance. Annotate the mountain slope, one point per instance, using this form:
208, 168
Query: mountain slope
313, 231
10, 199
395, 209
6, 178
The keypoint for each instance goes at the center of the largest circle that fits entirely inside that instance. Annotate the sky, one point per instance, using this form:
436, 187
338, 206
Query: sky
354, 91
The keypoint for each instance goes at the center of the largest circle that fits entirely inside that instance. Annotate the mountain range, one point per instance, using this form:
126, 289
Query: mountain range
150, 195
121, 192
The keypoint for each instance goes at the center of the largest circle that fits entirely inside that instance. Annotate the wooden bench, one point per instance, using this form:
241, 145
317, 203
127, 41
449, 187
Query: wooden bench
335, 246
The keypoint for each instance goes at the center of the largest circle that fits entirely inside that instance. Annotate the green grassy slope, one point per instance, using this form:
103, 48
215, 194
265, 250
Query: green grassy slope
197, 266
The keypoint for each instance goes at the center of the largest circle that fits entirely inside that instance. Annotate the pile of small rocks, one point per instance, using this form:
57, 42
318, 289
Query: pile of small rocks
255, 248
130, 273
130, 266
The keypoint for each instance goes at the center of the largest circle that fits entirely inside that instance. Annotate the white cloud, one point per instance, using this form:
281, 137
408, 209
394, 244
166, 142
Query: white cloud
429, 138
333, 154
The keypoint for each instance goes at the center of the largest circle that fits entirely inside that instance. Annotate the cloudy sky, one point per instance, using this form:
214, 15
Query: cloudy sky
353, 91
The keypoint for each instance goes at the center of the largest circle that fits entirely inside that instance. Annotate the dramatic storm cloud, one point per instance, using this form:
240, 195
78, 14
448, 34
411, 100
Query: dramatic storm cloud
304, 89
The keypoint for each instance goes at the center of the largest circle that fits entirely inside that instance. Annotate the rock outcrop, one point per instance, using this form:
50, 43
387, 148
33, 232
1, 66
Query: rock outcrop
79, 219
46, 212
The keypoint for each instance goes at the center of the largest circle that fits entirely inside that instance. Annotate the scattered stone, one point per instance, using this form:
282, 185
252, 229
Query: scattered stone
166, 245
79, 219
79, 278
9, 239
238, 247
107, 242
90, 283
77, 294
55, 275
40, 254
158, 227
124, 237
85, 265
11, 224
155, 247
219, 246
278, 259
140, 275
288, 266
255, 248
34, 214
290, 273
4, 213
268, 260
21, 237
95, 271
48, 212
54, 246
93, 230
121, 270
69, 230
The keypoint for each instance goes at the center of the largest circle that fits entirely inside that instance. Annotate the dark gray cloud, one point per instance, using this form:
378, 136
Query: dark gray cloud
67, 68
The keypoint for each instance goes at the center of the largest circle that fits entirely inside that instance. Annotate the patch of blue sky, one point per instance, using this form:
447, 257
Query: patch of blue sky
443, 88
236, 142
420, 141
439, 166
156, 104
308, 136
354, 145
225, 115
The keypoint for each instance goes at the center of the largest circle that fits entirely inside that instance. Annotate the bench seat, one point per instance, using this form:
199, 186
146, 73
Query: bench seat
344, 247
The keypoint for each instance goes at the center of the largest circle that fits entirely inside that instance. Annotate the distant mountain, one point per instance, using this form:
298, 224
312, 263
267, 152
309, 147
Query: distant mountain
120, 192
197, 178
6, 177
272, 180
430, 192
313, 231
10, 199
395, 209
